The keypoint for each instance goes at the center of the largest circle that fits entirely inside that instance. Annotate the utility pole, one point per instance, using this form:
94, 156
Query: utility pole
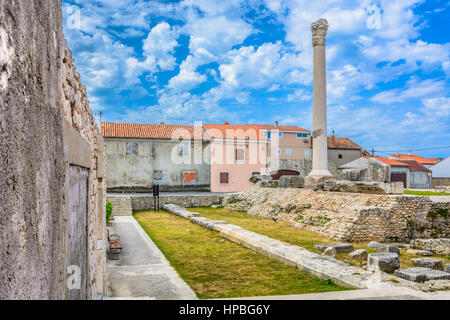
373, 152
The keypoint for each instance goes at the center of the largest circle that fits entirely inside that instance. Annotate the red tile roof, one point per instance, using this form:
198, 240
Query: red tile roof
149, 131
342, 143
415, 166
245, 131
416, 157
391, 162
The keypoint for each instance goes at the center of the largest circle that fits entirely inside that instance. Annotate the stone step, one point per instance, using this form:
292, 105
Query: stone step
121, 206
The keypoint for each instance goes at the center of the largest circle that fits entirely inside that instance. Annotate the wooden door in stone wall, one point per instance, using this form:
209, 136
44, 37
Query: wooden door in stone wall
78, 195
399, 177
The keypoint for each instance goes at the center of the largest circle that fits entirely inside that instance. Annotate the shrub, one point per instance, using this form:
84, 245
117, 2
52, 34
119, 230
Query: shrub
109, 210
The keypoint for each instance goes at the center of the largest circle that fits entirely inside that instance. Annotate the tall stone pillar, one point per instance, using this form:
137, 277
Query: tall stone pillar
319, 171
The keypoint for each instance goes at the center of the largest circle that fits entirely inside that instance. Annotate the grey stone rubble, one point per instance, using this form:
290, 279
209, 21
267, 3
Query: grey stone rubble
424, 253
435, 264
338, 247
324, 267
360, 254
447, 268
441, 246
386, 262
420, 274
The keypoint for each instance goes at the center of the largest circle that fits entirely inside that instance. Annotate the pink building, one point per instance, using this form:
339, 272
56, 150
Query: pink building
240, 151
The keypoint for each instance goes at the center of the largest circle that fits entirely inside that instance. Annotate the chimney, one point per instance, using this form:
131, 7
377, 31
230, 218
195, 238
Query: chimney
333, 138
276, 125
226, 123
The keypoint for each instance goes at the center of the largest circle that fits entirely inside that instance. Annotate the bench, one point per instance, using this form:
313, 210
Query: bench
115, 245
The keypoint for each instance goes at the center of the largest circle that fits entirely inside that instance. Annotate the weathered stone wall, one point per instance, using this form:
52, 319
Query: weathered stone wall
76, 111
46, 129
303, 167
186, 201
349, 216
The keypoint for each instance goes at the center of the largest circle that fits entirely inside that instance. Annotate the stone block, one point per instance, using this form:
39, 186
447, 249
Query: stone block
447, 268
291, 182
366, 169
255, 178
435, 264
386, 262
389, 248
424, 253
338, 247
330, 251
420, 274
360, 254
374, 244
441, 246
317, 182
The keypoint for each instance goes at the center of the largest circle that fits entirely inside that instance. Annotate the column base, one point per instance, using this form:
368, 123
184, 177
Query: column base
316, 179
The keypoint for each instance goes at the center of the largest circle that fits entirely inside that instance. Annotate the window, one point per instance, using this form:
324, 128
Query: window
132, 148
306, 153
302, 135
239, 154
267, 134
288, 152
183, 149
224, 178
256, 173
281, 134
279, 151
340, 156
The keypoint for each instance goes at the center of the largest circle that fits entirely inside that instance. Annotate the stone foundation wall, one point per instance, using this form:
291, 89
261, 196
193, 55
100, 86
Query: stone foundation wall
349, 216
191, 201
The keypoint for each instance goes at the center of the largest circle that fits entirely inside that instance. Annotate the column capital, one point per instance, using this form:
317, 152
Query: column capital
319, 32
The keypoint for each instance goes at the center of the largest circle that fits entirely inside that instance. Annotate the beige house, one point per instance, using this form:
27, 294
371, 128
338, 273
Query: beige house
289, 143
343, 150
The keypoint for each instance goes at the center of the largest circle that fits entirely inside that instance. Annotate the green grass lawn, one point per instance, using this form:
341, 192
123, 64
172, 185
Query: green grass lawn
426, 193
282, 231
217, 268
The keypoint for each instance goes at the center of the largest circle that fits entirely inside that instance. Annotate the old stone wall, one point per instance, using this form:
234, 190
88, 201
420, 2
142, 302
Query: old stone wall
50, 148
349, 216
77, 113
186, 201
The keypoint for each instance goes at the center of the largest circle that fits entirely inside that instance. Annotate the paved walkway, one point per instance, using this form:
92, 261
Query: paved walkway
142, 271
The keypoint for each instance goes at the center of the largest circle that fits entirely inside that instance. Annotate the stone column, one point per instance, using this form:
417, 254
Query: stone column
319, 171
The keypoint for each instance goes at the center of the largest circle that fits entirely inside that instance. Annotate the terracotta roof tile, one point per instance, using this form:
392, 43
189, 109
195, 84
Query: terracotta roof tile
415, 166
416, 157
391, 162
342, 143
245, 131
148, 131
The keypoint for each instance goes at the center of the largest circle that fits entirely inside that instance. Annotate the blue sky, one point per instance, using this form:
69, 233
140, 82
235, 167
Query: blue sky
250, 61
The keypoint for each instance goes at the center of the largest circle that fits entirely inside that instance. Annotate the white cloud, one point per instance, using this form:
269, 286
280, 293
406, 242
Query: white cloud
211, 37
436, 107
187, 78
160, 44
416, 89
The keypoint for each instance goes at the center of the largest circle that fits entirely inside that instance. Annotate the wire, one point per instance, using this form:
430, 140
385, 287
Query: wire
425, 149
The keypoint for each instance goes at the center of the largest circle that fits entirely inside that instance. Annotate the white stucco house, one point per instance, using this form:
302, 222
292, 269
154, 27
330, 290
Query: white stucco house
441, 173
